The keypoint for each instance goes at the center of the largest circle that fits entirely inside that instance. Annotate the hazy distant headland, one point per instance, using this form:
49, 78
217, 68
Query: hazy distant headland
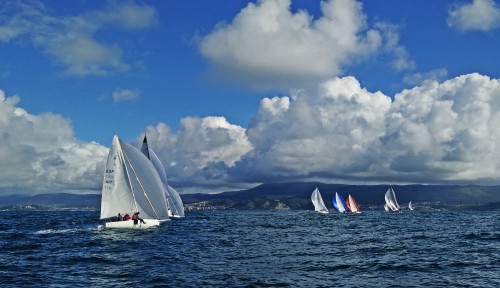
292, 196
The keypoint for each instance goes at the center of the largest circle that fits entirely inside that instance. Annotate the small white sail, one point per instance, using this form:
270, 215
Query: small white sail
410, 206
317, 200
390, 200
386, 208
176, 205
353, 205
131, 185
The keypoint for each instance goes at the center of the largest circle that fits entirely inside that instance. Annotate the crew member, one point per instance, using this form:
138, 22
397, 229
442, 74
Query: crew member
136, 218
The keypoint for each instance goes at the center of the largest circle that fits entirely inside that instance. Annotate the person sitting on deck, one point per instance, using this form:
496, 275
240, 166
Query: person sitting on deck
136, 218
126, 217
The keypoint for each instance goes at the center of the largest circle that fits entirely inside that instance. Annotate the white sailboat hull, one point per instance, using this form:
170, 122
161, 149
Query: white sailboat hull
130, 224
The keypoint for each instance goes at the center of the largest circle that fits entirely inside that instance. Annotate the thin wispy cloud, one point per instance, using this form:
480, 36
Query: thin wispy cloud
418, 78
71, 41
123, 95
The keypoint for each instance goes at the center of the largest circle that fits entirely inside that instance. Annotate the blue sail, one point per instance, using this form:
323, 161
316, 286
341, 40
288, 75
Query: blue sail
339, 203
334, 201
345, 204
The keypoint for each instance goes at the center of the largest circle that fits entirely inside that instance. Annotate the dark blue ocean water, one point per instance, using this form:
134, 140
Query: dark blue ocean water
253, 249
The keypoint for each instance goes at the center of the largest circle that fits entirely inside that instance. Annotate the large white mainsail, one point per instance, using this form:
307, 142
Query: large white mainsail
317, 200
131, 185
174, 201
390, 200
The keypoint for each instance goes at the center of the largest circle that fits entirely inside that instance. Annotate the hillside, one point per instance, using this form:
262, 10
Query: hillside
278, 196
297, 195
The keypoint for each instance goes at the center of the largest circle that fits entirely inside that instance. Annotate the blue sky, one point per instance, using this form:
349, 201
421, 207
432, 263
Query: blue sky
237, 93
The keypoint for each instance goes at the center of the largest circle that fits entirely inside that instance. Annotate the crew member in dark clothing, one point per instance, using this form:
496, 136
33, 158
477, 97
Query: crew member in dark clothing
136, 218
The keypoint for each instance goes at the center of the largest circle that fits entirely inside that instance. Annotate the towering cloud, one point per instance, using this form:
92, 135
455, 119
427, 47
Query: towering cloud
331, 131
338, 131
436, 132
447, 131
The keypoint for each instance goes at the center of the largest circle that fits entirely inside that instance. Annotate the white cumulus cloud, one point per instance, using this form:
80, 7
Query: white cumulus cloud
268, 45
201, 151
334, 130
433, 133
437, 132
39, 153
446, 131
482, 15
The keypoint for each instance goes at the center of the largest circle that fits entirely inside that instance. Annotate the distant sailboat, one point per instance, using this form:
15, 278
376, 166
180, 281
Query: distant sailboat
131, 185
174, 201
410, 206
390, 200
352, 205
317, 200
339, 203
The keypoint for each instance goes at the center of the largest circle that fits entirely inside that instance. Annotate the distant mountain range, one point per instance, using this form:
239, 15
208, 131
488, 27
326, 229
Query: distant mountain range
52, 200
297, 195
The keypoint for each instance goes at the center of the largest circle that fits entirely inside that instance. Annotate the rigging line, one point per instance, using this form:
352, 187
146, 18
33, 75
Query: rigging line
140, 184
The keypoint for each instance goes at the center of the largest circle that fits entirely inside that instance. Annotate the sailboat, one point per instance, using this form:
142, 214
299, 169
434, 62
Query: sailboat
339, 203
410, 206
390, 200
352, 205
131, 184
174, 201
317, 200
